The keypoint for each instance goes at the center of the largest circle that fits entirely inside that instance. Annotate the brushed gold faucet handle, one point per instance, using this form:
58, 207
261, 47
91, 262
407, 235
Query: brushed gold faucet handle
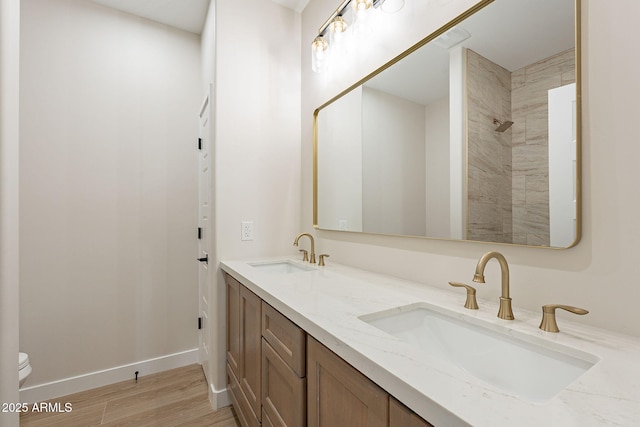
322, 257
549, 323
471, 303
305, 255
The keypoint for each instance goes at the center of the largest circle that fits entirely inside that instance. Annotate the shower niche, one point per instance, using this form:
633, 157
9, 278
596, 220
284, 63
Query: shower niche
472, 134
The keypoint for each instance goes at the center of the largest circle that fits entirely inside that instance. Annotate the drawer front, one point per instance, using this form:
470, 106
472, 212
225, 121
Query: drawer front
240, 403
285, 337
283, 392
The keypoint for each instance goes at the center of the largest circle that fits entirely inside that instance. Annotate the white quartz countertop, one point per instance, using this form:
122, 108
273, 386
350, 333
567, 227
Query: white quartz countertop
327, 302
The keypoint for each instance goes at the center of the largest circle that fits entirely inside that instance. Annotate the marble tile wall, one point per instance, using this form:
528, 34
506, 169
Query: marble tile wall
508, 172
489, 186
530, 141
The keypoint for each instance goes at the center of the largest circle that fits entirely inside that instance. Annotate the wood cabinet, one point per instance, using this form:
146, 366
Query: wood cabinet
339, 395
244, 352
250, 349
278, 376
283, 370
401, 416
233, 323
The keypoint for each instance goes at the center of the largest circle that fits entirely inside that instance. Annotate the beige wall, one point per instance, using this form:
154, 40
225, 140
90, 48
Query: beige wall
599, 273
9, 220
108, 188
251, 54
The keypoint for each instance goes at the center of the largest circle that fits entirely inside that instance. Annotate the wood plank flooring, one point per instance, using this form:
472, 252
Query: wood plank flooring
172, 398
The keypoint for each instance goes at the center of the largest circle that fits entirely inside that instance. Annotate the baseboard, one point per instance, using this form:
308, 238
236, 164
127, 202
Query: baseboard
218, 398
41, 392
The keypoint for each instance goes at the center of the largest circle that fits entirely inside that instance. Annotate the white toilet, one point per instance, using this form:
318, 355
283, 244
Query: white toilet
24, 368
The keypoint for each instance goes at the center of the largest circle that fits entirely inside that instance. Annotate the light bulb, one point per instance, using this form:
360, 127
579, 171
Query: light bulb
392, 6
338, 25
362, 4
319, 47
318, 52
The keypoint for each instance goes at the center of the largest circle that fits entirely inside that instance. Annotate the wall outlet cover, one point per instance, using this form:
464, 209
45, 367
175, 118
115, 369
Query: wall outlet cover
246, 231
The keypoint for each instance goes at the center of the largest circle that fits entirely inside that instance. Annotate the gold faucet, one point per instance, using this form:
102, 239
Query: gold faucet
312, 255
505, 311
471, 303
549, 323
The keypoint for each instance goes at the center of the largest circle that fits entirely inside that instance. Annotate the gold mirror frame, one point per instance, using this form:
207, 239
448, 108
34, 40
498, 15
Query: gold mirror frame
459, 19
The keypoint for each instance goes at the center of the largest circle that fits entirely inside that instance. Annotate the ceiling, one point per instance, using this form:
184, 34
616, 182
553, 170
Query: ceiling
187, 15
510, 33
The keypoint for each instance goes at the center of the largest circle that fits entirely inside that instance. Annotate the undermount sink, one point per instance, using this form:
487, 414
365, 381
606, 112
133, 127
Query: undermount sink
523, 368
280, 267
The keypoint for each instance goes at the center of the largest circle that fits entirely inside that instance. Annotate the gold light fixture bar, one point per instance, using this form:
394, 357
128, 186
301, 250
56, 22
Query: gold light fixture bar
340, 11
336, 25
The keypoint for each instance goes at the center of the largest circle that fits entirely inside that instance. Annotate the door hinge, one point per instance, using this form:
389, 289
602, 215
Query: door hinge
199, 143
199, 233
199, 322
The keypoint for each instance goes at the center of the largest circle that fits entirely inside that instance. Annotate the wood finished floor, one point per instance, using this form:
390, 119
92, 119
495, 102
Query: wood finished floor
172, 398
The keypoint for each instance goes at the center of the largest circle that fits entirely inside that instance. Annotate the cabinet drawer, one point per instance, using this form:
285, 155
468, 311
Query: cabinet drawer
285, 337
240, 403
283, 392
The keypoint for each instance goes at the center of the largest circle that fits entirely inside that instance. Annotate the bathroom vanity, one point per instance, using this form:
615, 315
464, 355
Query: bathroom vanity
338, 344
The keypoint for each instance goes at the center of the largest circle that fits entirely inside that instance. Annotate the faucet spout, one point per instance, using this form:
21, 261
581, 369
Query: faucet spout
505, 311
312, 255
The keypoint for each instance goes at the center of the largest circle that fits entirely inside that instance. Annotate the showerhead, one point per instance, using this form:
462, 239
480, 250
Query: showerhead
502, 126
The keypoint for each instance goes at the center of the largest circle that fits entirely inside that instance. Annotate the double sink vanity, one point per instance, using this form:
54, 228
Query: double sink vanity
329, 345
334, 341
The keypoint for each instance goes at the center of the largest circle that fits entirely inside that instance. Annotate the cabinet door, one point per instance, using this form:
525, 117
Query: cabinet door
233, 323
401, 416
239, 401
250, 349
283, 392
340, 396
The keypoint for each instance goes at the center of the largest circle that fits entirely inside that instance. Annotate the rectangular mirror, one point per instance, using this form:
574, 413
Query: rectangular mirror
472, 134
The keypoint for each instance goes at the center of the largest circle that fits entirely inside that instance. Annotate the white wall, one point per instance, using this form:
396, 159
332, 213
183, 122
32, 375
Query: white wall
108, 188
9, 220
340, 192
437, 150
393, 153
252, 50
600, 272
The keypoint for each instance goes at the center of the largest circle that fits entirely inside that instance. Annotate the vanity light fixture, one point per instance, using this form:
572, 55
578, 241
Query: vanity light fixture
338, 26
334, 28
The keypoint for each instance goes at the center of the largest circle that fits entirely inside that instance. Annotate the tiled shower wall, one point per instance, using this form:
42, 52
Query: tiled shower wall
530, 140
508, 173
488, 151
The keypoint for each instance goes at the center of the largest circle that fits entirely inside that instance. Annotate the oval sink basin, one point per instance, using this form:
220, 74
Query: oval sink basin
280, 267
526, 369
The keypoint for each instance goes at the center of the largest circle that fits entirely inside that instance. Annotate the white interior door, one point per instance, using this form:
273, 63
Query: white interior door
205, 240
